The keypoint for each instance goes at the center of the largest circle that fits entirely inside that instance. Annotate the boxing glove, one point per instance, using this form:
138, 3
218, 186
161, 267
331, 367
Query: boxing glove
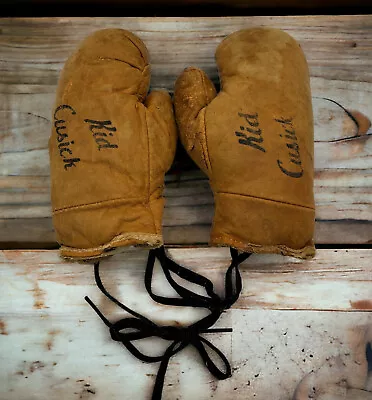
110, 146
254, 140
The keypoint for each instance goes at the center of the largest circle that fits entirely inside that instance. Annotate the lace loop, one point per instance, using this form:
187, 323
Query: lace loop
188, 298
213, 302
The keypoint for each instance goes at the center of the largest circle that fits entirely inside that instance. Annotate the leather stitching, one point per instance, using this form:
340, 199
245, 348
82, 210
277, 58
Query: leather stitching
265, 199
149, 173
99, 203
203, 139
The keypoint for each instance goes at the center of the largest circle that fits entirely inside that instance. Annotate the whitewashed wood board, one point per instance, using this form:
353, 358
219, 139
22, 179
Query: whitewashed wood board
339, 52
333, 280
47, 356
53, 346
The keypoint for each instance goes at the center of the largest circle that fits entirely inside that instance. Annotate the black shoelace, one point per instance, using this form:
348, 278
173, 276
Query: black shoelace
233, 282
131, 329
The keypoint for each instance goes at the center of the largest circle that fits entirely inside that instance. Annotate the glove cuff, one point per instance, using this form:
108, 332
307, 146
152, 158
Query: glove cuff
258, 225
98, 230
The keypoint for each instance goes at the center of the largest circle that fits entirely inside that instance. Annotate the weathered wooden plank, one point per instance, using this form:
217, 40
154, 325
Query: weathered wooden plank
70, 355
335, 46
25, 209
51, 339
339, 51
38, 233
48, 356
161, 4
270, 281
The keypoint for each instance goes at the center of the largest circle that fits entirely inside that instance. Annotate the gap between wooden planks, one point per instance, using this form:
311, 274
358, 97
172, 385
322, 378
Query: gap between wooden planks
339, 52
52, 340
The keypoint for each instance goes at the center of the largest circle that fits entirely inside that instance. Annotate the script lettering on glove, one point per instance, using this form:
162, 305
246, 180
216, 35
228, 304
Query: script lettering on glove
100, 130
256, 141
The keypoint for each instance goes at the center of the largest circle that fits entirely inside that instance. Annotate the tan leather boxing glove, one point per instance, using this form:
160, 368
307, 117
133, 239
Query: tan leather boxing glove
255, 142
110, 147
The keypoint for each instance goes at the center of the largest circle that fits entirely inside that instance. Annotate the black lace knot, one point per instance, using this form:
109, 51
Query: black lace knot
129, 329
179, 334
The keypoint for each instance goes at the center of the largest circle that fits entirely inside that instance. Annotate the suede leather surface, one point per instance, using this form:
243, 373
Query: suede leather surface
110, 147
254, 140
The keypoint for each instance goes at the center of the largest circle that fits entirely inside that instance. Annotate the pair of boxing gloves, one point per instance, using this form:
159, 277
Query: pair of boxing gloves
112, 144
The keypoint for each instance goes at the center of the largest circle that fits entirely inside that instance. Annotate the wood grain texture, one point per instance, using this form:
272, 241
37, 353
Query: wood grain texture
270, 281
339, 52
52, 345
274, 4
